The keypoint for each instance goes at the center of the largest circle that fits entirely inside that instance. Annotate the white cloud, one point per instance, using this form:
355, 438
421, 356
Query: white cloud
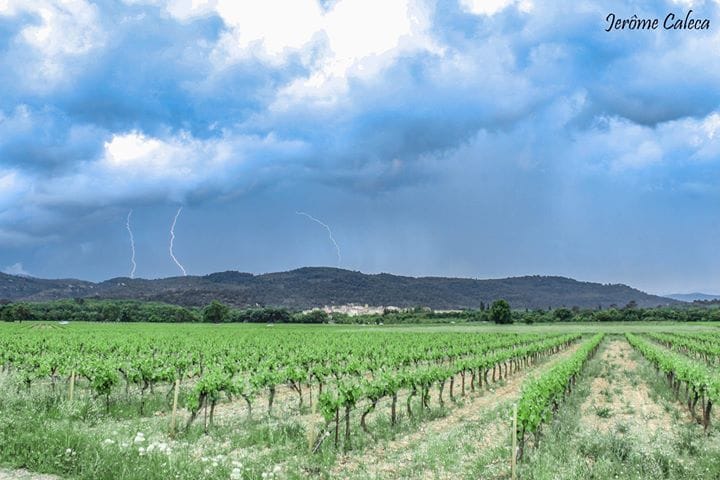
67, 29
130, 149
16, 269
188, 9
180, 158
619, 144
136, 167
269, 30
491, 7
643, 154
711, 125
357, 38
12, 186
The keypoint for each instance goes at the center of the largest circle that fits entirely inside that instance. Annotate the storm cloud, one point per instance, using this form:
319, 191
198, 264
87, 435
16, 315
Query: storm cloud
468, 138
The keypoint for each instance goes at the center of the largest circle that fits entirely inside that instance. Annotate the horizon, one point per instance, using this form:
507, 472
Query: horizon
464, 139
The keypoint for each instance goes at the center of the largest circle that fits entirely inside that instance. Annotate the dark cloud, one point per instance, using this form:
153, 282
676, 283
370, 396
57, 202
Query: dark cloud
512, 143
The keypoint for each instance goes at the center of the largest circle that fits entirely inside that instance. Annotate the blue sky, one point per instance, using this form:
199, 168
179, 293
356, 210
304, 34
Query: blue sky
473, 138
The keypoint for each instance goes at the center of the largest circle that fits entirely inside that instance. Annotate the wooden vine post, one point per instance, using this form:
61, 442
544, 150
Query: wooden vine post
173, 419
72, 385
513, 458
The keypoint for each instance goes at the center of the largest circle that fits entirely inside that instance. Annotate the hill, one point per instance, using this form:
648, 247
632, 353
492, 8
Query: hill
692, 297
318, 286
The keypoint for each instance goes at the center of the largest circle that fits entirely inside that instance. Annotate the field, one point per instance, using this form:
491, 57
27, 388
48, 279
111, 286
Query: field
157, 401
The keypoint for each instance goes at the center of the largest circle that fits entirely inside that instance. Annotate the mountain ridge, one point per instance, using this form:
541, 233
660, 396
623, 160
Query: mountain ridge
691, 297
309, 287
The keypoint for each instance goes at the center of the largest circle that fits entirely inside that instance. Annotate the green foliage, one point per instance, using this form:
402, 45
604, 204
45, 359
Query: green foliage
563, 314
264, 315
500, 312
701, 380
315, 316
90, 310
16, 312
103, 377
111, 311
216, 312
541, 393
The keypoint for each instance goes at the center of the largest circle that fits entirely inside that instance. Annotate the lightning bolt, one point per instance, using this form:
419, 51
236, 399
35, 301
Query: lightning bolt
132, 245
172, 241
330, 234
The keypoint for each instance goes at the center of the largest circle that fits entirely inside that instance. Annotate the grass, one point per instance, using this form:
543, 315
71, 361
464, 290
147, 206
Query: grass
603, 412
79, 440
613, 328
571, 448
41, 432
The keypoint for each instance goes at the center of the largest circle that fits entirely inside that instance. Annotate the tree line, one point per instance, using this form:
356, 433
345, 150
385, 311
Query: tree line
500, 311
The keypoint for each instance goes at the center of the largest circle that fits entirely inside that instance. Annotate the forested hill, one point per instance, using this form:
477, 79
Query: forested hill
311, 287
314, 286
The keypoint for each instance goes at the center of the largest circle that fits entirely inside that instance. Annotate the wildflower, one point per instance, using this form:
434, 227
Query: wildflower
141, 451
236, 474
108, 441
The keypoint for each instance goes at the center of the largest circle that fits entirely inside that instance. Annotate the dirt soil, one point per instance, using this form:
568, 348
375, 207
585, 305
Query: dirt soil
619, 399
24, 475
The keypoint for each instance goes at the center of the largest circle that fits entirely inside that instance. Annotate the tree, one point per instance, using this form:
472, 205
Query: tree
6, 312
17, 312
500, 312
216, 312
563, 314
315, 316
110, 312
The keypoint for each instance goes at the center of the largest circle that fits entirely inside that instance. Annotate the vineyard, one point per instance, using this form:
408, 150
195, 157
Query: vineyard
258, 402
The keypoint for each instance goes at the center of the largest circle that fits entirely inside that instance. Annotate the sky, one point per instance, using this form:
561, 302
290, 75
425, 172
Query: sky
469, 138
